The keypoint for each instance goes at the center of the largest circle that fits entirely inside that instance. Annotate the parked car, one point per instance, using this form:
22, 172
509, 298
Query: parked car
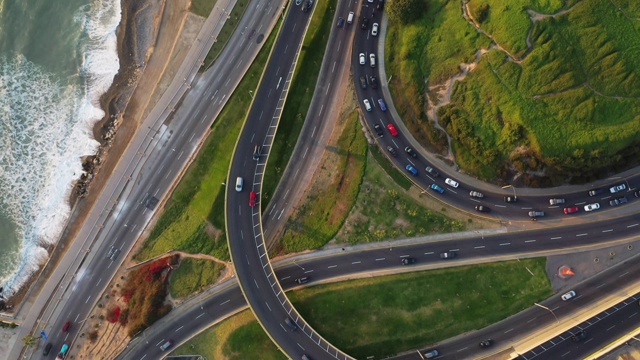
378, 130
595, 192
392, 151
392, 130
568, 295
66, 327
536, 214
486, 343
556, 201
591, 207
410, 151
363, 59
431, 171
447, 255
382, 104
363, 82
571, 210
374, 29
252, 198
408, 261
620, 201
451, 182
510, 199
412, 170
431, 354
476, 194
374, 82
302, 280
579, 336
482, 208
617, 188
437, 188
166, 345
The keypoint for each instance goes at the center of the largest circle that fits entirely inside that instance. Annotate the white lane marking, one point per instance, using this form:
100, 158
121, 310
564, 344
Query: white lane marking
583, 234
428, 253
556, 238
528, 241
601, 285
502, 206
254, 280
404, 256
192, 135
76, 319
632, 225
197, 317
621, 275
225, 302
161, 341
380, 259
308, 271
98, 282
285, 278
505, 244
268, 306
178, 329
479, 247
582, 203
508, 331
612, 326
356, 262
609, 230
332, 266
87, 299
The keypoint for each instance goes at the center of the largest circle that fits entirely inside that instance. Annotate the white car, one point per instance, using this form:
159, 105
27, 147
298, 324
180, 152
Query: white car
451, 182
367, 104
363, 59
476, 194
591, 207
617, 188
374, 29
372, 60
568, 295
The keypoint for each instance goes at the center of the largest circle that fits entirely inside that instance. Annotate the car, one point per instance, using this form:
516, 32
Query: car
391, 150
431, 171
378, 130
365, 23
114, 254
166, 345
383, 105
595, 192
579, 336
591, 207
302, 280
290, 324
476, 194
486, 343
556, 201
370, 1
536, 214
239, 182
437, 188
298, 2
451, 182
447, 255
408, 261
392, 130
252, 199
66, 327
363, 59
637, 193
431, 354
482, 208
305, 357
571, 210
374, 29
412, 170
568, 295
340, 22
350, 17
620, 201
510, 199
372, 60
617, 188
374, 82
363, 82
257, 152
308, 5
410, 151
380, 5
47, 349
367, 104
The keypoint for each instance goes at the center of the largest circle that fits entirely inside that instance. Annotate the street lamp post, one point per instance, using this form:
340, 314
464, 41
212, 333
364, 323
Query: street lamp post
551, 311
251, 93
514, 190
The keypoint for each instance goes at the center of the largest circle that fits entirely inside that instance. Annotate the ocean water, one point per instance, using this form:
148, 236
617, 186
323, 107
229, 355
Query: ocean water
57, 57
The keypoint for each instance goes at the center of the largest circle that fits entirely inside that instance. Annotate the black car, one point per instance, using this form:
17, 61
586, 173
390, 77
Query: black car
431, 171
595, 192
410, 151
47, 349
380, 5
482, 208
408, 261
307, 5
257, 152
579, 336
363, 82
290, 324
620, 201
378, 130
486, 343
340, 22
510, 199
302, 280
365, 24
447, 255
391, 150
374, 82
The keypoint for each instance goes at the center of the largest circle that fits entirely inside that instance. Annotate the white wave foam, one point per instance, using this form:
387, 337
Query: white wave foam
46, 126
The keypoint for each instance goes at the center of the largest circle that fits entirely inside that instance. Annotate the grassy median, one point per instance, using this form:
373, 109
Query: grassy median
193, 275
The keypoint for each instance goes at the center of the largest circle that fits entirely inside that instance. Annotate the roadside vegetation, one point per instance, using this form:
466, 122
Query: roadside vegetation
193, 275
564, 109
451, 301
299, 96
193, 218
202, 7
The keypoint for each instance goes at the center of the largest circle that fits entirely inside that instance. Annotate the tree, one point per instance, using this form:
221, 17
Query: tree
29, 340
406, 11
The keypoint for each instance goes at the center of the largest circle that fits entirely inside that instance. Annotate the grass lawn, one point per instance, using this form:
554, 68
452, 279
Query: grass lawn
225, 33
333, 196
202, 7
384, 210
193, 219
194, 275
299, 96
393, 317
237, 338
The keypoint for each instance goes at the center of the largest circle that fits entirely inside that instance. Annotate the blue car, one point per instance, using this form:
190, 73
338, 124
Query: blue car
412, 170
383, 106
437, 188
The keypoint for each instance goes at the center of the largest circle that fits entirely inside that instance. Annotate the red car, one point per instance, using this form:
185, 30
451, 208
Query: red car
571, 210
392, 130
252, 199
66, 326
